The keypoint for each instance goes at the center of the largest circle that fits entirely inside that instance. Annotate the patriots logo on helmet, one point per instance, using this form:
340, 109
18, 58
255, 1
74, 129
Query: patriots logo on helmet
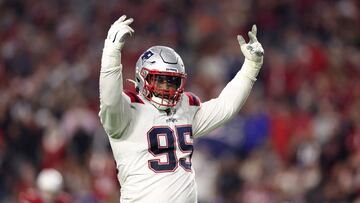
147, 55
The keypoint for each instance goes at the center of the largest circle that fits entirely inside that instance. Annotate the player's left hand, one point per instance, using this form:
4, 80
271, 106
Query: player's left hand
118, 30
252, 50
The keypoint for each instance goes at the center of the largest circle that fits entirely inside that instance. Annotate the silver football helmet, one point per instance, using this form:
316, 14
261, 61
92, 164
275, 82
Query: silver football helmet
160, 76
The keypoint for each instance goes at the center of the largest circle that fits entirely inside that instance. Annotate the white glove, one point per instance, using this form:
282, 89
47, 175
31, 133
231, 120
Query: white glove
253, 52
117, 32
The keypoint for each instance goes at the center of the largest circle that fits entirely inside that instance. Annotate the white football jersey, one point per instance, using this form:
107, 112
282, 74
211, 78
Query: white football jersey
153, 149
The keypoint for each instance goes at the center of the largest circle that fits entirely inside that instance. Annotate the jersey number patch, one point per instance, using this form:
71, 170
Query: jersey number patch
162, 141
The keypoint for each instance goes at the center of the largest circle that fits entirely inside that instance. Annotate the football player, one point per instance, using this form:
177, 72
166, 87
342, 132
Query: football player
151, 131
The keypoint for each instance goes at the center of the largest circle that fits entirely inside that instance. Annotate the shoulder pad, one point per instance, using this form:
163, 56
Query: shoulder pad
193, 99
134, 97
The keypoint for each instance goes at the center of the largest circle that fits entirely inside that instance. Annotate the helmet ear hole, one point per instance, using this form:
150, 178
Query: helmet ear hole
137, 79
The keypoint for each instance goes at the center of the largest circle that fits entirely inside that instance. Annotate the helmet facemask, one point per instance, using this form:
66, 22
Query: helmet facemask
162, 88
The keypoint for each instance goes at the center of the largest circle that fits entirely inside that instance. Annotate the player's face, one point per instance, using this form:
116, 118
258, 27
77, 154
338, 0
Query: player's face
165, 86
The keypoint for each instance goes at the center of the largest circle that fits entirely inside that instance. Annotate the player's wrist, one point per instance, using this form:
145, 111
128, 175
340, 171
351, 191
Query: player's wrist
111, 56
111, 48
251, 69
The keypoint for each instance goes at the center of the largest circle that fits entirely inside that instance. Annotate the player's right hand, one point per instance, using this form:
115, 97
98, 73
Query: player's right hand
118, 30
252, 50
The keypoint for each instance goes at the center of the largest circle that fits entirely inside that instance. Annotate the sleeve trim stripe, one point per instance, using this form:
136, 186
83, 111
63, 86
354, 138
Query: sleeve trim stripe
193, 100
133, 97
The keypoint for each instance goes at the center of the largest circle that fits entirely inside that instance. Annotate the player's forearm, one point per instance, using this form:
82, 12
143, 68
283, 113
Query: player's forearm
111, 84
217, 111
111, 56
113, 108
236, 92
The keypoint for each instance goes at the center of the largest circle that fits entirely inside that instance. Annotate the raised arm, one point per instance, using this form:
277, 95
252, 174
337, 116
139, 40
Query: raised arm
215, 112
114, 109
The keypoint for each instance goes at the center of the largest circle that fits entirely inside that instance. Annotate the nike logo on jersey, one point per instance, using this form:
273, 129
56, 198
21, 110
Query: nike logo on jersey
173, 120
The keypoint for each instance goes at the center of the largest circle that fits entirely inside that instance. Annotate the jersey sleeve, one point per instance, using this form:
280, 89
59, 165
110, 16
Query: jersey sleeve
215, 112
115, 108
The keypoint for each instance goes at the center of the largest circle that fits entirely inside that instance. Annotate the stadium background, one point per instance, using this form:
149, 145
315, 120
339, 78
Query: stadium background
297, 139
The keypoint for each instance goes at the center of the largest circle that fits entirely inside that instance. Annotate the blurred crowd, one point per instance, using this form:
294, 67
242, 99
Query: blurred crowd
296, 140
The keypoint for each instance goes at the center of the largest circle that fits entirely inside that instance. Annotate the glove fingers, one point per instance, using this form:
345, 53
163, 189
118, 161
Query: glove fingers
130, 29
252, 50
241, 40
120, 24
252, 37
122, 18
254, 30
122, 30
128, 21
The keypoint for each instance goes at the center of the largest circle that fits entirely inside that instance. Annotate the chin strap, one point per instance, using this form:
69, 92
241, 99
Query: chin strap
132, 81
158, 106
